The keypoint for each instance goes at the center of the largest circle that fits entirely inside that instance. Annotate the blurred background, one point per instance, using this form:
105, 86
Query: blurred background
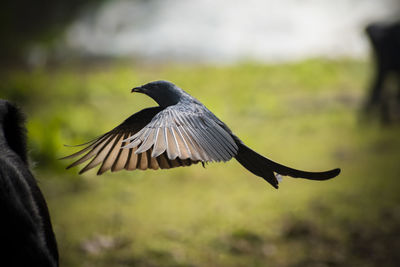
292, 78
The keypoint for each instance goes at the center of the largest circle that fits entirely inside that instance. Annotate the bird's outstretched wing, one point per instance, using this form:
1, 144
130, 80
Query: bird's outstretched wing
160, 138
107, 149
185, 134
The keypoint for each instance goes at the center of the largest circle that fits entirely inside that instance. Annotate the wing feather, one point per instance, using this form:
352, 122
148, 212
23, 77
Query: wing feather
172, 146
95, 148
163, 161
132, 160
160, 145
219, 150
142, 161
111, 155
221, 143
191, 130
201, 140
174, 163
184, 151
153, 164
89, 144
148, 141
100, 155
196, 152
121, 158
222, 136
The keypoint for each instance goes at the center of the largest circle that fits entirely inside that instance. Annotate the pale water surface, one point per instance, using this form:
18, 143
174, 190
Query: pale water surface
227, 31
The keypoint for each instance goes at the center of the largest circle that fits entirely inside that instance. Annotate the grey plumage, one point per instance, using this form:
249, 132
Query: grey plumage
185, 124
179, 132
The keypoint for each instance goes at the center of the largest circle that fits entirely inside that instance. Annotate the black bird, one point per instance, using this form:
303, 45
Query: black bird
181, 131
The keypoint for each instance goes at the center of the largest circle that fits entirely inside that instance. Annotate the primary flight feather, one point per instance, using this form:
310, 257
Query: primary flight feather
181, 131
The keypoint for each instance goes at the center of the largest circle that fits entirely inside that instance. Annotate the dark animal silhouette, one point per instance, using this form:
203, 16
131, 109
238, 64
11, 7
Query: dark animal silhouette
26, 234
179, 132
385, 42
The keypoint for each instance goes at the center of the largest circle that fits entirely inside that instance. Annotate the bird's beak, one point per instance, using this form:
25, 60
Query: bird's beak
137, 89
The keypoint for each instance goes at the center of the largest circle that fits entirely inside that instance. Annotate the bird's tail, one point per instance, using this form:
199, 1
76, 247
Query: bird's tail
266, 168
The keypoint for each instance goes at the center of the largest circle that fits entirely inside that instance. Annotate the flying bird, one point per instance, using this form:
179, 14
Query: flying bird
181, 131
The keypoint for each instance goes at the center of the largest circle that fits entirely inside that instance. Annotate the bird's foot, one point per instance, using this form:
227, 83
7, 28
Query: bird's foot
278, 177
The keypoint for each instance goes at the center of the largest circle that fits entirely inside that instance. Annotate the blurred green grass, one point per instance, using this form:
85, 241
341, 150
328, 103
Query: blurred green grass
302, 114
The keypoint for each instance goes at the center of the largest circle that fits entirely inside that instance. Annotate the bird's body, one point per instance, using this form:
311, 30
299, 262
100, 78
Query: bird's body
179, 132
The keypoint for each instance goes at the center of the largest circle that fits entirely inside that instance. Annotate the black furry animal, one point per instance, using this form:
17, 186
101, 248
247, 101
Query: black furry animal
26, 234
179, 132
385, 41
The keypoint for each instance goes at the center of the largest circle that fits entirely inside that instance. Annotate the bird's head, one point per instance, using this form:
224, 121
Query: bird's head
163, 92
